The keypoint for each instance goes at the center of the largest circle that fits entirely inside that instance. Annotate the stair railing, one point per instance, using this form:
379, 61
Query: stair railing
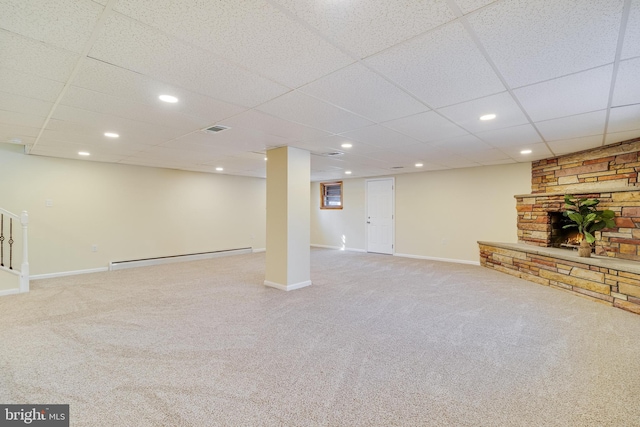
7, 220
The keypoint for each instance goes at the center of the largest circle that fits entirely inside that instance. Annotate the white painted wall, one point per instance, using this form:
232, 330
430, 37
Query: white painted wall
130, 212
440, 214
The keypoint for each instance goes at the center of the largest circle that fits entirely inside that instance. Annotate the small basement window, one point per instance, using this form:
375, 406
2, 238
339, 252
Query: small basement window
331, 195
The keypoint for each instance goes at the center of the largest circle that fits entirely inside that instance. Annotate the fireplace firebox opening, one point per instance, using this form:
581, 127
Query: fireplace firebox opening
563, 237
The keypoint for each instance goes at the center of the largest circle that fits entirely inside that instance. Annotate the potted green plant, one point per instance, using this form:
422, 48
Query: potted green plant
586, 216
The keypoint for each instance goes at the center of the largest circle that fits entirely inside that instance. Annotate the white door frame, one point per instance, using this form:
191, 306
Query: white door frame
393, 211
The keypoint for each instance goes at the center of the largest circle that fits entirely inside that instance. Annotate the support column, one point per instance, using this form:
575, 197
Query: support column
288, 219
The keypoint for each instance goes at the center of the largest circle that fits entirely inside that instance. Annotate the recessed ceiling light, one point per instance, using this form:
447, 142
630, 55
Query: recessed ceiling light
168, 98
346, 145
265, 159
419, 165
111, 135
488, 117
525, 152
347, 172
83, 153
219, 169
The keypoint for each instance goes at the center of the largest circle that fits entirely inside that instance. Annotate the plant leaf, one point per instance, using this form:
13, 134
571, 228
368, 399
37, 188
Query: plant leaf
575, 217
567, 200
591, 202
569, 225
589, 237
607, 214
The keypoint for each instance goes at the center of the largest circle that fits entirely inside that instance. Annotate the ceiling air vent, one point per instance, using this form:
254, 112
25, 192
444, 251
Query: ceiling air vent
216, 129
333, 154
397, 167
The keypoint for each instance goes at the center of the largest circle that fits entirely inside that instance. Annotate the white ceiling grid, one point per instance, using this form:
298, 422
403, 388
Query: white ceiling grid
402, 82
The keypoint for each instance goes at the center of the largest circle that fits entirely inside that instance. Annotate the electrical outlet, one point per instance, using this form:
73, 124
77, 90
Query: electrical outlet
48, 203
445, 242
94, 248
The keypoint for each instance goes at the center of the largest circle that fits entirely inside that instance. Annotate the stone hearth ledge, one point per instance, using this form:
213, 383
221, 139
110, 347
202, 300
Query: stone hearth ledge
581, 191
569, 255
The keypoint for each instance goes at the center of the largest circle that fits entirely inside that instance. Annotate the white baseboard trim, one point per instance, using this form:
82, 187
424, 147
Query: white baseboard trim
67, 273
431, 258
287, 287
340, 248
9, 292
120, 265
256, 250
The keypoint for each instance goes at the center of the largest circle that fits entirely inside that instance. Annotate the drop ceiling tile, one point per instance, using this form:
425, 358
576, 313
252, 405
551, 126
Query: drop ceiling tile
631, 46
29, 56
535, 40
468, 6
513, 136
467, 115
380, 136
119, 107
624, 119
109, 79
426, 127
92, 123
566, 96
257, 120
627, 90
538, 151
21, 119
67, 24
22, 104
29, 85
489, 156
252, 33
612, 138
436, 66
573, 127
10, 131
334, 143
368, 27
129, 44
300, 108
497, 162
326, 163
567, 146
466, 145
364, 92
392, 158
67, 153
456, 161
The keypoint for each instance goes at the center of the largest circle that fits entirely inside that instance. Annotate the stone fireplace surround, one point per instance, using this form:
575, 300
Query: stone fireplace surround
612, 276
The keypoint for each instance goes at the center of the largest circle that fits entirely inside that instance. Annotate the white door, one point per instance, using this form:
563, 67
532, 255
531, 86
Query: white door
380, 215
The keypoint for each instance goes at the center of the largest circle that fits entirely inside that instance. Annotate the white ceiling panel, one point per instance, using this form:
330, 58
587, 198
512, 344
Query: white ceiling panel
366, 93
468, 6
538, 151
106, 78
21, 119
304, 109
106, 104
69, 153
380, 136
436, 67
457, 161
465, 145
612, 138
497, 162
11, 131
32, 18
115, 148
535, 40
239, 139
492, 156
252, 33
567, 146
367, 27
257, 120
426, 127
29, 85
334, 143
22, 104
131, 45
30, 56
467, 115
509, 137
566, 96
92, 123
631, 46
624, 119
627, 90
574, 126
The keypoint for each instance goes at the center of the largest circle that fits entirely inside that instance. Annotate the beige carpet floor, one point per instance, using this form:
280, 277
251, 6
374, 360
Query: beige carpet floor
376, 341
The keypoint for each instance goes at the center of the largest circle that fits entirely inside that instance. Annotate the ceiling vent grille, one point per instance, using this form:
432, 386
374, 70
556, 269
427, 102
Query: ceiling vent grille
216, 129
397, 167
333, 154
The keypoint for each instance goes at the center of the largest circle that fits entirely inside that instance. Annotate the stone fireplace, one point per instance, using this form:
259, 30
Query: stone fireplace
544, 253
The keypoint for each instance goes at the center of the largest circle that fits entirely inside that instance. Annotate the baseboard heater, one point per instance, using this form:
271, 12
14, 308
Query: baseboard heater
119, 265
